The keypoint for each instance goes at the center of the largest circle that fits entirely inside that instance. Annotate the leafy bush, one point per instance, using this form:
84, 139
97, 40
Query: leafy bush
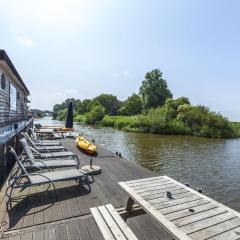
96, 114
118, 121
80, 118
236, 128
62, 114
132, 106
110, 103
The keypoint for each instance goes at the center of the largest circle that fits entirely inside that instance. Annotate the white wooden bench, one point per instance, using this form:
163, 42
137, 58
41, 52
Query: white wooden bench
110, 223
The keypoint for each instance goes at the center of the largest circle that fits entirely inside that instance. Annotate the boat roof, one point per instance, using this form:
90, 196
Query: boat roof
4, 57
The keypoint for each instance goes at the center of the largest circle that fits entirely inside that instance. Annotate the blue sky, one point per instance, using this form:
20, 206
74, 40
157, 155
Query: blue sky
81, 48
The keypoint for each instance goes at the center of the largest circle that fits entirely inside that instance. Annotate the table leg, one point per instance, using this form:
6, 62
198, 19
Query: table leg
129, 205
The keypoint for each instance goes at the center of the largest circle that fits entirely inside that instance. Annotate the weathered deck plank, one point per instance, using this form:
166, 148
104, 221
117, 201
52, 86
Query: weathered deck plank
73, 202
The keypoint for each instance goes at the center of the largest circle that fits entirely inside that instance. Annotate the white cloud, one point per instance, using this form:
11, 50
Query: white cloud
26, 41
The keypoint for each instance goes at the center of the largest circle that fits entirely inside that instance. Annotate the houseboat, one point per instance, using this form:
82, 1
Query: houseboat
13, 110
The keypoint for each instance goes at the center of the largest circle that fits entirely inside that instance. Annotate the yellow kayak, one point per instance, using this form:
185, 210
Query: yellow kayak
86, 145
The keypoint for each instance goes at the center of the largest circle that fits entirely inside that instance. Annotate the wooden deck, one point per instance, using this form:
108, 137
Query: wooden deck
43, 214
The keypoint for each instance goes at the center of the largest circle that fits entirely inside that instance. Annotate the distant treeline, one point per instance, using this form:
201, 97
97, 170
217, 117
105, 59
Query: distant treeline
36, 113
153, 110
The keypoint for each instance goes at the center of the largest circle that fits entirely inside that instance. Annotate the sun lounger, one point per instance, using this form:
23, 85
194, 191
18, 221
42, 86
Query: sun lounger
32, 162
46, 134
38, 178
37, 140
41, 148
40, 143
53, 155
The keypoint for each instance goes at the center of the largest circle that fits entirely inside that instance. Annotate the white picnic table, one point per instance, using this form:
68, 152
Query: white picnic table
185, 213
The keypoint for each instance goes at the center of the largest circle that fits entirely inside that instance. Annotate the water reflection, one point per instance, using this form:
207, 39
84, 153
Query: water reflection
211, 164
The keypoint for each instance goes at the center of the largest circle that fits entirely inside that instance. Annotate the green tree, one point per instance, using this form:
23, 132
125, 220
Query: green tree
96, 114
154, 90
62, 114
83, 106
132, 106
109, 102
58, 109
175, 103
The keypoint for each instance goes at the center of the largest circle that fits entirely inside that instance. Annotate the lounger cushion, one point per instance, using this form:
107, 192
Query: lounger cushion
53, 148
47, 143
56, 176
57, 154
55, 163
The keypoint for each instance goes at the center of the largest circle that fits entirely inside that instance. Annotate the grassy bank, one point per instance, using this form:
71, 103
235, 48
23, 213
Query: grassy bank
80, 118
143, 123
176, 116
150, 124
236, 128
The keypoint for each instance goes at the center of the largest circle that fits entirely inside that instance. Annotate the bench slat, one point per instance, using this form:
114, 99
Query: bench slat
148, 184
183, 206
232, 234
206, 223
163, 190
124, 227
199, 216
216, 230
111, 223
154, 188
186, 212
164, 198
145, 180
163, 194
102, 224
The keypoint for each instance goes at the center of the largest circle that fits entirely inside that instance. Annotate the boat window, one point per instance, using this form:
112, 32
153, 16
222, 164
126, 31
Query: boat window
3, 81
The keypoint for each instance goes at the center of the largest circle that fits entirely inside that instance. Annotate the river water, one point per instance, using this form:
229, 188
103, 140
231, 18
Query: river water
210, 164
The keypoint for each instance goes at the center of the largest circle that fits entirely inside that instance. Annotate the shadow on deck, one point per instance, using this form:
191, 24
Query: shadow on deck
42, 213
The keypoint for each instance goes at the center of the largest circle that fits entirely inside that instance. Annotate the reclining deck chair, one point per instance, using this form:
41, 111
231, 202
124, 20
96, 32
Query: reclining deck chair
38, 178
40, 141
41, 148
50, 136
32, 162
52, 155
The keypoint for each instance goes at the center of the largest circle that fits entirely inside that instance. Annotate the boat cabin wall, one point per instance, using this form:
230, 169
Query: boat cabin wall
13, 99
